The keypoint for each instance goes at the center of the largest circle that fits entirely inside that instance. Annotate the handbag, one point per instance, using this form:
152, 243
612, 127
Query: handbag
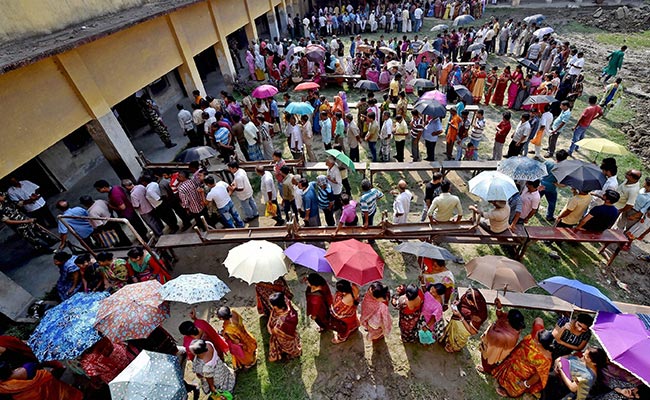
108, 238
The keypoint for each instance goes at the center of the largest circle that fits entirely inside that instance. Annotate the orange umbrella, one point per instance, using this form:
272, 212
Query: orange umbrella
307, 86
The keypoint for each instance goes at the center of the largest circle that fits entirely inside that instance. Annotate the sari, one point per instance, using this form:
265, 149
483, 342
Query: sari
525, 361
500, 89
479, 86
456, 334
409, 318
375, 317
432, 314
345, 320
117, 274
16, 352
265, 289
284, 339
497, 341
491, 83
42, 387
243, 346
150, 269
514, 88
318, 306
250, 61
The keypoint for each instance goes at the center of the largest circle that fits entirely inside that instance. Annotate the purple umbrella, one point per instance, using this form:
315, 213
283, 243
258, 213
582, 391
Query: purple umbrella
626, 339
308, 256
264, 91
435, 95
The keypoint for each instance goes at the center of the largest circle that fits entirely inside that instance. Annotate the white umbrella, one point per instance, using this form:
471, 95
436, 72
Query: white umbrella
393, 64
150, 376
194, 288
492, 186
543, 31
256, 261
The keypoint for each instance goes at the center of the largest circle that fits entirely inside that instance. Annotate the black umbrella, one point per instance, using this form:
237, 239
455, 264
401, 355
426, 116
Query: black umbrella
432, 108
464, 94
196, 154
367, 85
528, 64
580, 175
422, 83
475, 46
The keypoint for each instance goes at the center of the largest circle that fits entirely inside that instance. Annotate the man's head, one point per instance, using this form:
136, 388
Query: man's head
86, 201
561, 155
179, 107
611, 196
532, 185
366, 185
13, 181
436, 178
127, 184
233, 166
208, 180
277, 155
259, 170
183, 175
321, 181
525, 117
633, 176
593, 100
445, 186
62, 205
402, 186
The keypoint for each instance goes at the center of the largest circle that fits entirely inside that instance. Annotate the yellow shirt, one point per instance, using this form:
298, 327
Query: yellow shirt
577, 205
401, 131
394, 88
373, 132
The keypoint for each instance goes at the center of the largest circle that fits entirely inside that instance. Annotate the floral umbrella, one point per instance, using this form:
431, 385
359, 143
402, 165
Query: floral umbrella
132, 312
194, 288
150, 376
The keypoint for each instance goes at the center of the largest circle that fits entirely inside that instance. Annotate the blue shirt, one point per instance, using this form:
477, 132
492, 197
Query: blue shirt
221, 135
368, 200
642, 203
310, 199
326, 130
82, 227
603, 217
564, 116
273, 108
435, 125
325, 196
549, 180
353, 47
64, 283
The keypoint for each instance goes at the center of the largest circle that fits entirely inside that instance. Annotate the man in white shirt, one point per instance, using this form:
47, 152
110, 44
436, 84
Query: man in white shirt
269, 192
305, 24
334, 45
161, 209
27, 195
545, 122
335, 180
443, 206
295, 139
402, 203
186, 122
197, 119
520, 136
576, 66
220, 193
629, 191
208, 120
418, 19
242, 188
385, 134
99, 209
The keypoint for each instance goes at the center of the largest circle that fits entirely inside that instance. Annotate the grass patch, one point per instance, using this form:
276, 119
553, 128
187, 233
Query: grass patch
636, 40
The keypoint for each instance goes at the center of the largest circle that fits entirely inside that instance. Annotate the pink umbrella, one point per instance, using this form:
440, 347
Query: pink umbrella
435, 95
307, 86
264, 91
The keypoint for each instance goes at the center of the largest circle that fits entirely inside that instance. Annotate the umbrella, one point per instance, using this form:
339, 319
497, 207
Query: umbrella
298, 49
431, 108
342, 158
393, 64
315, 47
429, 55
307, 86
537, 19
364, 48
626, 339
543, 31
579, 294
424, 249
528, 64
464, 94
440, 27
67, 330
256, 261
522, 168
498, 272
579, 175
463, 20
150, 376
315, 53
300, 108
367, 85
198, 153
132, 312
385, 49
492, 186
540, 99
264, 91
475, 46
422, 83
435, 95
602, 145
194, 288
308, 256
355, 261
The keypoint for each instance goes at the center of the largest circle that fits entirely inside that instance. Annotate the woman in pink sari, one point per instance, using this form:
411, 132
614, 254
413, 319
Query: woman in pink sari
250, 61
432, 309
515, 84
375, 317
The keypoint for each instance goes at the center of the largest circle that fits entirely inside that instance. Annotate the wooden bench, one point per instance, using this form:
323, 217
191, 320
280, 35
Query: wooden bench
553, 234
321, 166
474, 166
402, 167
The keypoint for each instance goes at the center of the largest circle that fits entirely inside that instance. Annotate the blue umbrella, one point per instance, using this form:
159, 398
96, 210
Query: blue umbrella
367, 85
150, 376
579, 294
194, 288
463, 20
431, 108
537, 19
66, 330
522, 168
464, 94
300, 108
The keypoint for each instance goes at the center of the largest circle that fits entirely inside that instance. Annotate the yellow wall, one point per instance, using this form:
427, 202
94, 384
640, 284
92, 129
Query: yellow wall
39, 108
196, 24
258, 7
231, 14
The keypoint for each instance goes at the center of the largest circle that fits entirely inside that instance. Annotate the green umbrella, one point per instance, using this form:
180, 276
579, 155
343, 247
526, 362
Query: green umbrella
345, 160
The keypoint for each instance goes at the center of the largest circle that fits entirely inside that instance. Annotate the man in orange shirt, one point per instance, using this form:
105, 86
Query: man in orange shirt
452, 132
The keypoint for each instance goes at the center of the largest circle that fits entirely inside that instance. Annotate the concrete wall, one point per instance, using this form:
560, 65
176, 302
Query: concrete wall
69, 167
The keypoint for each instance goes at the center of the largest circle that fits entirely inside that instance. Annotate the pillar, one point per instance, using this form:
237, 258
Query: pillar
226, 63
250, 28
273, 24
104, 128
116, 147
187, 70
282, 11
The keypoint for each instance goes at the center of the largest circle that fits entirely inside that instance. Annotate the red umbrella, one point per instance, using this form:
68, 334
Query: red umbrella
264, 91
307, 86
355, 261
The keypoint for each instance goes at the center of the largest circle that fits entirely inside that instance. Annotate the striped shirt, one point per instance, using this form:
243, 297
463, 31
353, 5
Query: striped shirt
325, 196
477, 130
417, 127
221, 136
190, 198
368, 201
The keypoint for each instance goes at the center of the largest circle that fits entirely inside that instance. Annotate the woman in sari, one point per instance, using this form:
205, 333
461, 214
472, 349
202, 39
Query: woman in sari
524, 92
469, 314
319, 301
264, 290
516, 82
250, 61
15, 352
375, 317
500, 338
409, 302
526, 368
144, 267
215, 375
243, 346
500, 89
303, 64
284, 341
28, 383
479, 85
338, 106
317, 76
115, 271
432, 309
344, 311
384, 79
491, 83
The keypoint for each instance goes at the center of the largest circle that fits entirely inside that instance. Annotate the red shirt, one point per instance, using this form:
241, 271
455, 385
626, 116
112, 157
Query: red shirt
589, 114
502, 131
